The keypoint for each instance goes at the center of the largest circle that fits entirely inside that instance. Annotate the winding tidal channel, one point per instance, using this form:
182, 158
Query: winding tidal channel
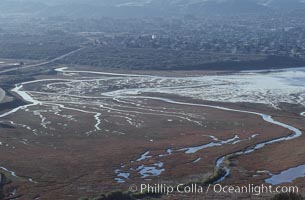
80, 89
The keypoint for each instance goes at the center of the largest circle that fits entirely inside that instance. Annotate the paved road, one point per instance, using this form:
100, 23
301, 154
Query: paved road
2, 95
40, 64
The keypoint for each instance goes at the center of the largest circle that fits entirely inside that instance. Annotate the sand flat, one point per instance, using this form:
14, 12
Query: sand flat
2, 95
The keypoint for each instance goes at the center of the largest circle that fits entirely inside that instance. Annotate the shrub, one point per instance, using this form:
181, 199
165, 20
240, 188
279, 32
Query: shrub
287, 196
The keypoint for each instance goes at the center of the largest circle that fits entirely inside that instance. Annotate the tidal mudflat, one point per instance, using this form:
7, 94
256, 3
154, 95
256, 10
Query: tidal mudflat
84, 132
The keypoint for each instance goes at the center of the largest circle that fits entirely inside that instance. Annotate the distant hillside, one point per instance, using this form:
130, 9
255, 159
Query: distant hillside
285, 4
138, 8
20, 7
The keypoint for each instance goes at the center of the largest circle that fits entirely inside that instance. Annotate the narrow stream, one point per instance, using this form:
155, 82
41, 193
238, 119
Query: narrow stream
287, 176
220, 161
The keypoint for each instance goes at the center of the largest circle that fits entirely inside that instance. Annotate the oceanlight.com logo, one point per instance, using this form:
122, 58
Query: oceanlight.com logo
253, 189
217, 188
